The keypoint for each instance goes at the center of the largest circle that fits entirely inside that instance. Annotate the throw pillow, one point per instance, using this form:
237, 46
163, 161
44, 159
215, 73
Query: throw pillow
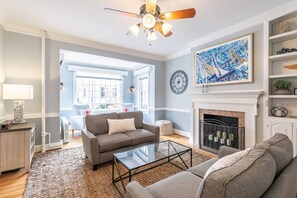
226, 161
120, 125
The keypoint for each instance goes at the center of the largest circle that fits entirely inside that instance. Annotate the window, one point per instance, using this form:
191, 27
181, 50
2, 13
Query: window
99, 93
143, 93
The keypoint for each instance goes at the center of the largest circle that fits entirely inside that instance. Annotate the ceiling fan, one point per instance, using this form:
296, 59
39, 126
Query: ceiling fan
153, 20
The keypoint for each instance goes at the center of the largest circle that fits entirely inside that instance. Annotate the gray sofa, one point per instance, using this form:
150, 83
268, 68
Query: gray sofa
268, 170
99, 145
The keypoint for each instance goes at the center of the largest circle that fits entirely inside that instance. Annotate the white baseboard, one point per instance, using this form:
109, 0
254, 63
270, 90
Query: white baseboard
182, 133
55, 145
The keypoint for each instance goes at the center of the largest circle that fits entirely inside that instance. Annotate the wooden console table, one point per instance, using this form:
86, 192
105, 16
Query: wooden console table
17, 147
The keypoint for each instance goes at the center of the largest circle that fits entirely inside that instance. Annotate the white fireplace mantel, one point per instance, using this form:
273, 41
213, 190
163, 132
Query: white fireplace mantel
241, 101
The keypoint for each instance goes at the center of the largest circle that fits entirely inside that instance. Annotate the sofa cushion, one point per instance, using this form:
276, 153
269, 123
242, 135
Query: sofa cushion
201, 168
97, 124
180, 185
249, 177
281, 149
140, 136
285, 185
120, 125
227, 161
112, 142
137, 115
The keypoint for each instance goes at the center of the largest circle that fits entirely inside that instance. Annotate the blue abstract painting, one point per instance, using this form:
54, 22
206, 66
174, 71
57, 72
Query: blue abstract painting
230, 62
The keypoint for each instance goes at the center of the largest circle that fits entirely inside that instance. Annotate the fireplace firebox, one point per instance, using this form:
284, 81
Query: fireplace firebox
217, 130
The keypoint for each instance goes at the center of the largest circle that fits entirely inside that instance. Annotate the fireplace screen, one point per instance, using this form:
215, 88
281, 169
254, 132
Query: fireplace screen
215, 133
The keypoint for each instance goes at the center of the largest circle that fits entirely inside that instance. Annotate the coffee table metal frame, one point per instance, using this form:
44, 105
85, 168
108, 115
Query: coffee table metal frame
133, 171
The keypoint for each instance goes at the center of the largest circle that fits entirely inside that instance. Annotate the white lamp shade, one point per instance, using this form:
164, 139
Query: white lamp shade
152, 36
134, 30
17, 92
148, 21
166, 28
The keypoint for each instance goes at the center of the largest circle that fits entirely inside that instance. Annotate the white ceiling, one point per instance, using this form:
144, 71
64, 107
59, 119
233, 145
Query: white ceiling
86, 19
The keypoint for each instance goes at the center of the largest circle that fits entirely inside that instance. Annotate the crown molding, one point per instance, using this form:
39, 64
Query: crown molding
97, 45
178, 54
22, 30
78, 41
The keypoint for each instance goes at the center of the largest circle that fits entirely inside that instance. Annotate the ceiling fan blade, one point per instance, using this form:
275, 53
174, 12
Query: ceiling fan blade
178, 14
123, 12
150, 6
159, 29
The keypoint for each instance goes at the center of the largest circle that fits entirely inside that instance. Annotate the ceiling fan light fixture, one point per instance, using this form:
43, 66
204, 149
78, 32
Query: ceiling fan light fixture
148, 21
151, 36
134, 30
166, 27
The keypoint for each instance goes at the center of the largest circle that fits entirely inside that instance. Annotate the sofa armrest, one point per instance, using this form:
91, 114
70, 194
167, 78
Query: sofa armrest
91, 146
135, 190
154, 129
226, 150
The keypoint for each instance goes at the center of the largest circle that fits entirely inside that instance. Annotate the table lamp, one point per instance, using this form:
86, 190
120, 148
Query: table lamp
18, 93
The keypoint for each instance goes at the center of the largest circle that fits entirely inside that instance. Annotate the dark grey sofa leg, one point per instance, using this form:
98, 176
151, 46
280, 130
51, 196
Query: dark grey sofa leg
94, 167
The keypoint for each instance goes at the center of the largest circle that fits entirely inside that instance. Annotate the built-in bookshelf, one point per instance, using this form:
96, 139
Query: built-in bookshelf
280, 66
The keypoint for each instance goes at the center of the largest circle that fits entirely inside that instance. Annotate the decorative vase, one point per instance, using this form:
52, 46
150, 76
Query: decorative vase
282, 92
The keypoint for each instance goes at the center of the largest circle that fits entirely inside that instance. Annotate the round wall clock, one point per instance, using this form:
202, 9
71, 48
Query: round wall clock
179, 82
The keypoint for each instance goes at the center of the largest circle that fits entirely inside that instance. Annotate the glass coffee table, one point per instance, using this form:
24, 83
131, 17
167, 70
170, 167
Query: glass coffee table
138, 157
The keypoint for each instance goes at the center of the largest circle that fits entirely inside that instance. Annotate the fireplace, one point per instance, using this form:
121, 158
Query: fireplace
219, 128
244, 102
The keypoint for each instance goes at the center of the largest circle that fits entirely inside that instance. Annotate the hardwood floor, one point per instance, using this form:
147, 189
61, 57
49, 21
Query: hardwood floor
12, 185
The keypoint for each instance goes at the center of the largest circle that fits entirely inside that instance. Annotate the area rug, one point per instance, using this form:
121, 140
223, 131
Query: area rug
67, 173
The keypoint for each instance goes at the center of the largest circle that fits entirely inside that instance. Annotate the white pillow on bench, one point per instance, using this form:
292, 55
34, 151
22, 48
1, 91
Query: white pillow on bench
120, 125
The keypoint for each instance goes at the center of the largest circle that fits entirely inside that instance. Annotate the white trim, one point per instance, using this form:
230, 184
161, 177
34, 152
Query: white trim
178, 54
173, 109
55, 145
99, 70
141, 71
182, 133
52, 115
242, 101
22, 30
33, 116
236, 92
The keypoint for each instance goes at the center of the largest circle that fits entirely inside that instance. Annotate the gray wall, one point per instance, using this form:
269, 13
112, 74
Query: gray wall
22, 60
22, 64
183, 102
2, 70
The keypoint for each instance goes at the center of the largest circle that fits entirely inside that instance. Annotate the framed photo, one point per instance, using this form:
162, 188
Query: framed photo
227, 63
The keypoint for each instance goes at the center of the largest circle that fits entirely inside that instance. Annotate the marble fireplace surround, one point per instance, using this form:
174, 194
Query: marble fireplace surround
235, 101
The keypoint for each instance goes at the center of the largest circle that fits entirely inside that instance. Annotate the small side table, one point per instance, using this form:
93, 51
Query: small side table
17, 147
